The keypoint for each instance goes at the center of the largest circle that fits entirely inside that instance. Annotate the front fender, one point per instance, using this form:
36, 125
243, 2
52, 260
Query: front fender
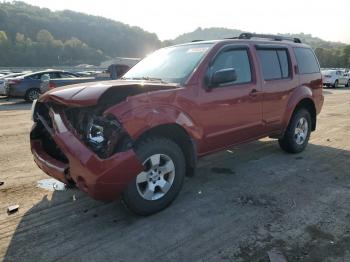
139, 120
299, 93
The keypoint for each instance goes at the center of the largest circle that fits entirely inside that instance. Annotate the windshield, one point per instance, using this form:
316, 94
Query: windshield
171, 64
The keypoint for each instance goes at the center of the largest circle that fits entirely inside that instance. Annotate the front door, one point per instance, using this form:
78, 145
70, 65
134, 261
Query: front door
231, 112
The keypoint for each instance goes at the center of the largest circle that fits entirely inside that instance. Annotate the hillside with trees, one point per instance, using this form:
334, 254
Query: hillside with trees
330, 54
33, 36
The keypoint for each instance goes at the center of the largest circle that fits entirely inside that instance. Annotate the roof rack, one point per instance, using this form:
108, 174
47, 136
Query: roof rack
271, 37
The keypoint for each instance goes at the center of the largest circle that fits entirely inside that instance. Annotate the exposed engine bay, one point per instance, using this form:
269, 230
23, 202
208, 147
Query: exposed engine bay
103, 135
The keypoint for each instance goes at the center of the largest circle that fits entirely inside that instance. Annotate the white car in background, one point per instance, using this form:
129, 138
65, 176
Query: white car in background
335, 78
3, 80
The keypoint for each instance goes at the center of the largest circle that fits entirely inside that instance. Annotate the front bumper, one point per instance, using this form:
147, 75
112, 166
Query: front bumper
102, 179
328, 81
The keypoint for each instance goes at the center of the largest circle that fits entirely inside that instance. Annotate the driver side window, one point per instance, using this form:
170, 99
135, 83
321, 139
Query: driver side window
237, 59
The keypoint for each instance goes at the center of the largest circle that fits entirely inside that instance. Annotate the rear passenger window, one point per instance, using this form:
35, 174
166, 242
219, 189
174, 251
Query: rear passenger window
307, 63
274, 63
54, 75
237, 59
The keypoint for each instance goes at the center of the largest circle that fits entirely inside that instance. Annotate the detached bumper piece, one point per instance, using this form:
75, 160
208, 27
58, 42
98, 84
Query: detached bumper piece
60, 154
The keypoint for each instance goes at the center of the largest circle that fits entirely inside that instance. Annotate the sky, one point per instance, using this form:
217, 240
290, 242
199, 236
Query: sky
329, 20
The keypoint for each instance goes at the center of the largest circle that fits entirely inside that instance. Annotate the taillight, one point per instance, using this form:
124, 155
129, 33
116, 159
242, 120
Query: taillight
13, 82
52, 85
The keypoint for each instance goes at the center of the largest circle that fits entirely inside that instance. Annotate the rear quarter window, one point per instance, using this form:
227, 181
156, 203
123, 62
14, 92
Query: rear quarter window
306, 59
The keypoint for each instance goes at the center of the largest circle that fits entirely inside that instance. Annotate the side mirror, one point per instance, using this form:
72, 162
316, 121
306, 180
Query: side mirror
223, 76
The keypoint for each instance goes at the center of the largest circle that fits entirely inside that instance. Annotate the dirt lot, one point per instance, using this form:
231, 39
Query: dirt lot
241, 204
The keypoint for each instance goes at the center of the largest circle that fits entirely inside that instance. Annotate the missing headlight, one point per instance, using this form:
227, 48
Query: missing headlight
105, 136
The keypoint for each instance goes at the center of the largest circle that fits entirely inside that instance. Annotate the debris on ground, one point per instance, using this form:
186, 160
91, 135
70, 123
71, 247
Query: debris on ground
1, 183
12, 209
223, 170
258, 200
51, 184
74, 198
276, 255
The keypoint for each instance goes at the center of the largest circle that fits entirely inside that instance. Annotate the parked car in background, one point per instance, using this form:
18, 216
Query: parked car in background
6, 72
3, 80
48, 84
139, 136
335, 78
28, 86
117, 70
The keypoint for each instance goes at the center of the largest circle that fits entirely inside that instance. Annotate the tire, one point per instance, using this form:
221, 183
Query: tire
348, 84
138, 195
336, 84
32, 94
296, 137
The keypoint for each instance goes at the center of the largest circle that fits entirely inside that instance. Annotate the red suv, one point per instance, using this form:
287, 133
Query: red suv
139, 136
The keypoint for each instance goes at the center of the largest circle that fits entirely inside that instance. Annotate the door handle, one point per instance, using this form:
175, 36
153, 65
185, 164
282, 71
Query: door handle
253, 93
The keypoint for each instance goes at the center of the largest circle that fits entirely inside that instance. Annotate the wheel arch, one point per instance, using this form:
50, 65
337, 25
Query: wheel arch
166, 121
301, 98
181, 137
309, 105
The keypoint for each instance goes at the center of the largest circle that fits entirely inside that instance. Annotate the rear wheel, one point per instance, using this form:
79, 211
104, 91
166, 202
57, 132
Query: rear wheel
158, 185
348, 83
32, 94
298, 132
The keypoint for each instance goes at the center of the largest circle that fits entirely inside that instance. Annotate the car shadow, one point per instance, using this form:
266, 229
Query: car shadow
209, 217
9, 104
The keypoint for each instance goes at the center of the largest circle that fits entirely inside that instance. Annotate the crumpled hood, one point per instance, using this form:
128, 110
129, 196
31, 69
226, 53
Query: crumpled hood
89, 94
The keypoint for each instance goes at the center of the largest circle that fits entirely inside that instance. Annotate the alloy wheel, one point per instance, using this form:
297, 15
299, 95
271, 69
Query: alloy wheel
301, 131
33, 95
157, 179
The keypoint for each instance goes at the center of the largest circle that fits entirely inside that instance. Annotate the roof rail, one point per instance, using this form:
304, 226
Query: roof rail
197, 40
271, 37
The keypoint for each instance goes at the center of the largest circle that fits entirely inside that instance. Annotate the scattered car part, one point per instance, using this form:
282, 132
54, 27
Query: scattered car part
12, 209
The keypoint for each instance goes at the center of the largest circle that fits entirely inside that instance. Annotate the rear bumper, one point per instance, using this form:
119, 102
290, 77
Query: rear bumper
102, 179
2, 90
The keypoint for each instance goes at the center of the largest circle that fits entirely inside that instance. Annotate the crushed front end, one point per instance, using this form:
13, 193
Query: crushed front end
83, 146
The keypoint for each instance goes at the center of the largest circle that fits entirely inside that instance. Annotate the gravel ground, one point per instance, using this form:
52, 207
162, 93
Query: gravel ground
242, 205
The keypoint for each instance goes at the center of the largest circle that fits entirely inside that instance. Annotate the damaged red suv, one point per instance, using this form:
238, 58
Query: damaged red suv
138, 137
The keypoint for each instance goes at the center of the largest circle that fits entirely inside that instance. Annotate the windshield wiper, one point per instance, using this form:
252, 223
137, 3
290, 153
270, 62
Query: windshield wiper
147, 78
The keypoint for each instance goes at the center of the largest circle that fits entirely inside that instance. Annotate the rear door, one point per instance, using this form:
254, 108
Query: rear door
342, 78
277, 82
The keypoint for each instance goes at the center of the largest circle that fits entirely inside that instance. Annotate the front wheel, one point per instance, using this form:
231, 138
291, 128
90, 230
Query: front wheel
298, 132
336, 84
158, 185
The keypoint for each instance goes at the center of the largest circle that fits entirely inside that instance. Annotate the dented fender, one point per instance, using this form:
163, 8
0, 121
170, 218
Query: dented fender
139, 120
